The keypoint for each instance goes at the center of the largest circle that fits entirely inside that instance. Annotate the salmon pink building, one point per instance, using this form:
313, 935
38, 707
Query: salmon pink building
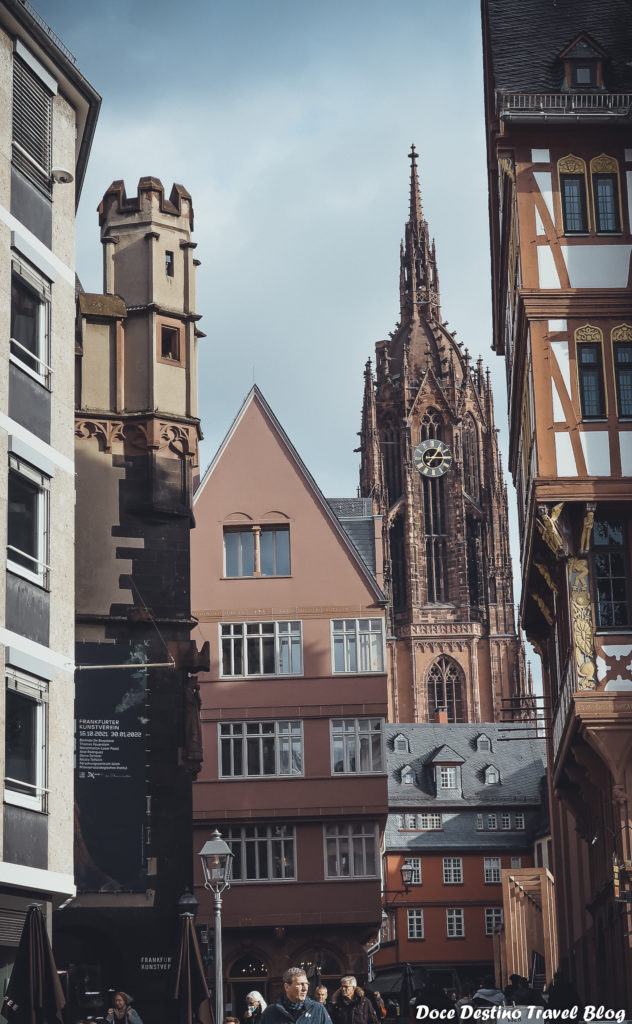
285, 589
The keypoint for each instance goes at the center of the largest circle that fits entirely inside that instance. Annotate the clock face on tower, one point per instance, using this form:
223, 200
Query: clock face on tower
432, 457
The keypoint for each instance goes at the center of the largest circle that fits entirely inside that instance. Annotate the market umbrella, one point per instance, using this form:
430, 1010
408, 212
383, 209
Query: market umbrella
34, 994
190, 990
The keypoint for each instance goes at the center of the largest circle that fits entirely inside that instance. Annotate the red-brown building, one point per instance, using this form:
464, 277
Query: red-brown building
292, 711
558, 92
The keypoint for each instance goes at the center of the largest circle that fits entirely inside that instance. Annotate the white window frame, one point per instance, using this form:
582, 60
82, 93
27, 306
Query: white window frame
263, 836
505, 821
355, 736
256, 530
492, 822
32, 281
455, 922
492, 776
408, 776
493, 919
447, 777
36, 691
360, 642
453, 871
285, 640
519, 819
287, 739
40, 571
415, 864
516, 862
430, 821
480, 823
355, 836
415, 923
492, 870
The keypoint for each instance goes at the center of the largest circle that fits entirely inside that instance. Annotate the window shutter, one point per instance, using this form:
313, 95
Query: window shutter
32, 126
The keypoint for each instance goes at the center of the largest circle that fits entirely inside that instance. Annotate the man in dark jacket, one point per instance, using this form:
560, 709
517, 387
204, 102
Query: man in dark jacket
294, 1005
349, 1005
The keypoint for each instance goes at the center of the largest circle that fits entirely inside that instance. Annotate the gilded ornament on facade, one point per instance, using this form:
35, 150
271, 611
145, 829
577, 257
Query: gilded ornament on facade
589, 519
507, 167
547, 525
622, 333
571, 165
604, 165
544, 572
588, 333
582, 623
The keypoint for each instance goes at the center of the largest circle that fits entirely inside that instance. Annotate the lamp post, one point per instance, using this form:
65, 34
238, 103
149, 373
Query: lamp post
217, 860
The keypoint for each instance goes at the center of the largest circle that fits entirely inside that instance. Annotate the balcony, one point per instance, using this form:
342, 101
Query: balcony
537, 106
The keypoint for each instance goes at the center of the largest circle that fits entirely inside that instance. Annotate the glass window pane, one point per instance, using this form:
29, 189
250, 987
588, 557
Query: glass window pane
21, 741
231, 553
23, 524
25, 322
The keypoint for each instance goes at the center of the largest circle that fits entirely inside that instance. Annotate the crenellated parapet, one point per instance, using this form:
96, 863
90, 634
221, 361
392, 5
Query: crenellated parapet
150, 190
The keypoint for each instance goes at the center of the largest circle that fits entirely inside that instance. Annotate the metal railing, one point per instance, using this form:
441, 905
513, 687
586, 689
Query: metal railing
46, 369
565, 102
49, 32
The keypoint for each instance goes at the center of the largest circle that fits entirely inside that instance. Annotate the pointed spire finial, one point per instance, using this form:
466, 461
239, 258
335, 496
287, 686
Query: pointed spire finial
416, 215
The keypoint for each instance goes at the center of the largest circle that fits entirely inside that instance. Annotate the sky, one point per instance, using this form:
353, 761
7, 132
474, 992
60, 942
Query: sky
289, 122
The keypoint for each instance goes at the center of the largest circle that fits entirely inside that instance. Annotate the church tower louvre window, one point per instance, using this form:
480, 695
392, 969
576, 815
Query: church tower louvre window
430, 463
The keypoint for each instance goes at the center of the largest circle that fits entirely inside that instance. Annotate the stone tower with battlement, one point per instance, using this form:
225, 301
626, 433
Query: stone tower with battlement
138, 738
454, 654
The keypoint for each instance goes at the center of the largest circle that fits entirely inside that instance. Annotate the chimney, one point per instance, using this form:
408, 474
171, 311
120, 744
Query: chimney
441, 716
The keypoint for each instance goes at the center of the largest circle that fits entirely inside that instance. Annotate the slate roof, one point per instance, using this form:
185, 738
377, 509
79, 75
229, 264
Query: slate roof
527, 36
355, 515
522, 766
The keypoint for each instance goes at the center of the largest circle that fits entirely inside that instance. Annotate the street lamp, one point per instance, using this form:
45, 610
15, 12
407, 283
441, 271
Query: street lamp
217, 860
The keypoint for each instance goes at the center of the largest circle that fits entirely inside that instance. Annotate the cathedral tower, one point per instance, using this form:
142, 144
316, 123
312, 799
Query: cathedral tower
430, 461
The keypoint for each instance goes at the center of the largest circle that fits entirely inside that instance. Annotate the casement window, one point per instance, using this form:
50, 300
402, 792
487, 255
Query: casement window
30, 321
591, 389
610, 560
492, 776
430, 822
262, 852
519, 821
492, 870
455, 923
480, 824
256, 749
446, 777
573, 196
415, 919
516, 862
351, 850
492, 822
505, 821
256, 551
169, 263
622, 352
357, 745
170, 343
606, 196
452, 870
25, 761
493, 919
28, 521
415, 864
32, 123
261, 648
357, 645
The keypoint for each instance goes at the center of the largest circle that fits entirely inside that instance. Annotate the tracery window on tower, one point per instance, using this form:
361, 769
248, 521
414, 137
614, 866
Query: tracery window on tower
435, 520
471, 466
445, 686
392, 461
473, 541
398, 563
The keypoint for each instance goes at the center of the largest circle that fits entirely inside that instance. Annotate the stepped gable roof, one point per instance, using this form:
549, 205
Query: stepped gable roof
522, 766
355, 515
527, 38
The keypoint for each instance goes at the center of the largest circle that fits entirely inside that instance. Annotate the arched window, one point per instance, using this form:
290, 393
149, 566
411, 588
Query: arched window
589, 346
435, 520
398, 563
319, 965
492, 776
604, 171
445, 683
572, 175
471, 465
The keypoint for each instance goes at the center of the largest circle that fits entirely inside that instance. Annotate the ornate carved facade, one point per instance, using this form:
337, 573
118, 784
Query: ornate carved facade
447, 572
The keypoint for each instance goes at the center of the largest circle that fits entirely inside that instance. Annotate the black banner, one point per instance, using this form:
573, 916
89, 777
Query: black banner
110, 768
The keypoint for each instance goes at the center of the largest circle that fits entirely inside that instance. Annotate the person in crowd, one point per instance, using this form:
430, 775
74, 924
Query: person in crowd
524, 995
349, 1005
488, 994
378, 1003
294, 1004
432, 995
465, 999
563, 995
122, 1012
321, 995
515, 981
255, 1005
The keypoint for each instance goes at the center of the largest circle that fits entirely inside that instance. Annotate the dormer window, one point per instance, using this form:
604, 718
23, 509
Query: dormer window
408, 776
446, 777
483, 742
492, 776
583, 64
401, 744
